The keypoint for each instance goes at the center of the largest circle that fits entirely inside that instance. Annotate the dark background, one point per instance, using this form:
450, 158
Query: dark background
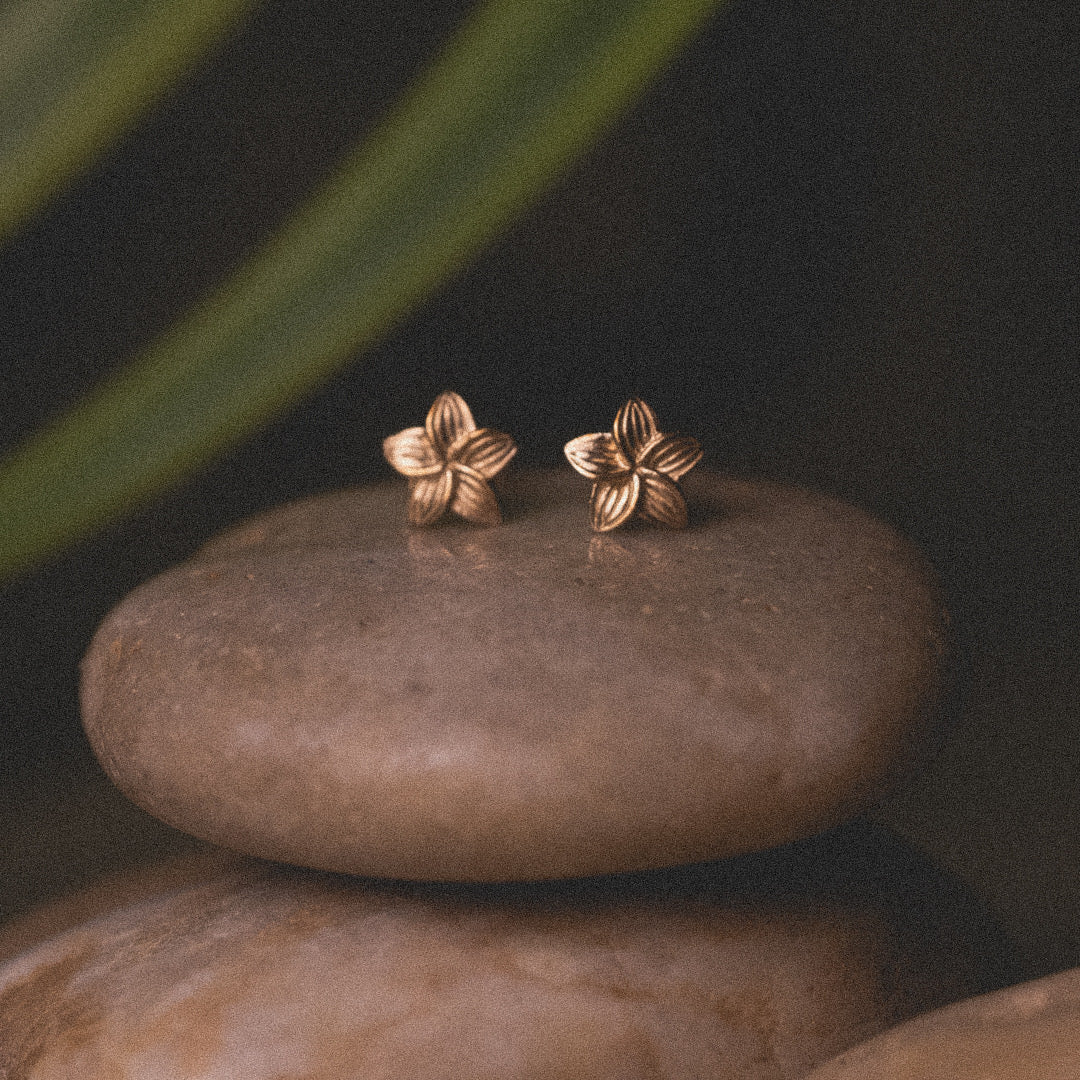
838, 241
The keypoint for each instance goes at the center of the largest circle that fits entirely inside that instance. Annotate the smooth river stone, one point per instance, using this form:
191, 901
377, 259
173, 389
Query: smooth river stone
113, 890
326, 686
1027, 1032
750, 969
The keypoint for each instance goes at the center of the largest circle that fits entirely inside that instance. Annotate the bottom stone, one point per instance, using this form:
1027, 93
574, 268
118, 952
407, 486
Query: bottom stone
1027, 1031
751, 969
114, 890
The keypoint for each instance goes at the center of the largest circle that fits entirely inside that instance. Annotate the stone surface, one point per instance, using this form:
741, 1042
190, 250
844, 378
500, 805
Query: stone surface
111, 891
1026, 1032
325, 686
749, 969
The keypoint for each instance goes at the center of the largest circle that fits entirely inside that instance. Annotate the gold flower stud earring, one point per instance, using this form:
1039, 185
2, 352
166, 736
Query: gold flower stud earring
449, 462
634, 469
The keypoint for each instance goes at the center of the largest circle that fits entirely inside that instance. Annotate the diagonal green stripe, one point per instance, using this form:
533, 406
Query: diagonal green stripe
74, 74
522, 88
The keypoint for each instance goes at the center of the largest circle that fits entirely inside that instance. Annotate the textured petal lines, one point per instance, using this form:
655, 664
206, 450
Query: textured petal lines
485, 450
410, 452
635, 469
448, 462
595, 455
473, 498
613, 501
672, 455
661, 500
635, 428
429, 497
447, 420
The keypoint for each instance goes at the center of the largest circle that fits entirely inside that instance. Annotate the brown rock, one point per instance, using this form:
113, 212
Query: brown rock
751, 969
1027, 1032
326, 686
118, 889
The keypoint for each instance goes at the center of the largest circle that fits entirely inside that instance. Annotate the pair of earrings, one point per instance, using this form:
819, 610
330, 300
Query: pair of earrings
635, 468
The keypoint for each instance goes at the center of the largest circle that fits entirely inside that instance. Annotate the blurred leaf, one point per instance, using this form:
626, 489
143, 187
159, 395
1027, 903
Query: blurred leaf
519, 91
75, 73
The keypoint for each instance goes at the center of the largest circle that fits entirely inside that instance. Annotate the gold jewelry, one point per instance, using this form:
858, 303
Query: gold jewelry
635, 468
449, 462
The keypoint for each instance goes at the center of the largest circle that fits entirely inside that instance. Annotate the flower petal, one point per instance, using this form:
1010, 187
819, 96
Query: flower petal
411, 453
429, 497
635, 428
661, 500
595, 455
473, 498
614, 501
448, 419
672, 455
485, 450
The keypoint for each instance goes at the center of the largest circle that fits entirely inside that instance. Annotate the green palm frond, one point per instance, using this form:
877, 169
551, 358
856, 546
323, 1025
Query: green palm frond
522, 89
74, 74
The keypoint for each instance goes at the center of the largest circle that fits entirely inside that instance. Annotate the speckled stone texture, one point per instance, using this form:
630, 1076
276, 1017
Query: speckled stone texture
326, 686
749, 969
1027, 1032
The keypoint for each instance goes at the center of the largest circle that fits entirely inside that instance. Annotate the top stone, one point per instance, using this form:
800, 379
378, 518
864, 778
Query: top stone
326, 686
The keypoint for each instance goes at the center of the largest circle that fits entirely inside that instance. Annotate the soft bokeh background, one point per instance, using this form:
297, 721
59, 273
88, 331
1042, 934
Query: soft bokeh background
839, 241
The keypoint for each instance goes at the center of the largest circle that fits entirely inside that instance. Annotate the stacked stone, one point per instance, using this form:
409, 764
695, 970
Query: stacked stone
540, 803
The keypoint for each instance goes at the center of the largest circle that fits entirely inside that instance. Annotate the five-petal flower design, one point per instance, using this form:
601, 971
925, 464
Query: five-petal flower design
635, 468
449, 462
